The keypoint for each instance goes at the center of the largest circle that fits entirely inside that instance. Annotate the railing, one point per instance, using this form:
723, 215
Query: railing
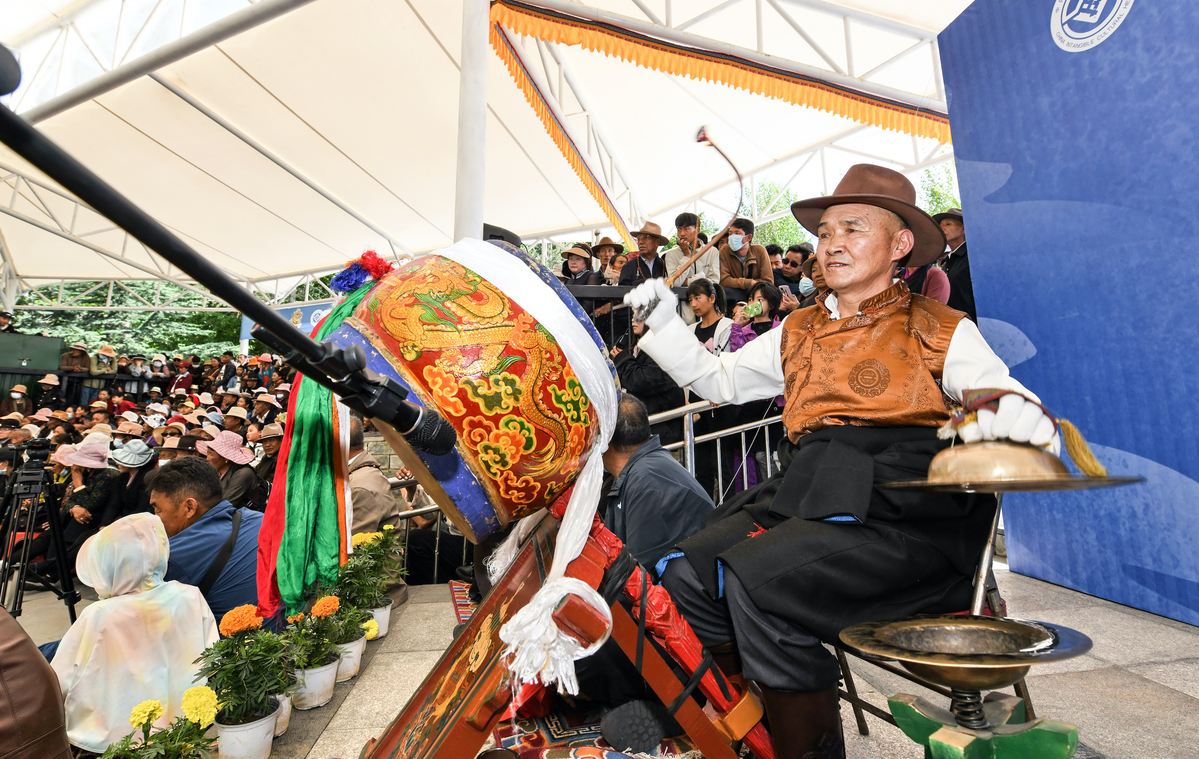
687, 444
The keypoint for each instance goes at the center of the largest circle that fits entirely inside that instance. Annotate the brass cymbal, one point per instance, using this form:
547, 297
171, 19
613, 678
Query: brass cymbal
966, 652
997, 466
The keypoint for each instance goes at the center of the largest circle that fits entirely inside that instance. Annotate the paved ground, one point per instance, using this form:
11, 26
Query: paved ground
1136, 695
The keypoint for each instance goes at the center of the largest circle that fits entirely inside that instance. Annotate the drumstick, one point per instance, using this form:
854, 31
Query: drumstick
644, 311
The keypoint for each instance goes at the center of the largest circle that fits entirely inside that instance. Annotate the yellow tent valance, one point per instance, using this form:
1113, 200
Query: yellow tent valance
711, 66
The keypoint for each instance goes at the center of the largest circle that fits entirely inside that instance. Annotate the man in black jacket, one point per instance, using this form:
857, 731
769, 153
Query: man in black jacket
956, 264
642, 377
654, 503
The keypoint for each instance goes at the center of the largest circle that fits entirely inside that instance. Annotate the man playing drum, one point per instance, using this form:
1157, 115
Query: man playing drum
868, 375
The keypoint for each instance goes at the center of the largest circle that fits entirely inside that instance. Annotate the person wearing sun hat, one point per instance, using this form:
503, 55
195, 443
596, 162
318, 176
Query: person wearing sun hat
270, 439
647, 264
76, 359
229, 456
866, 374
91, 485
266, 408
235, 421
17, 401
134, 461
102, 367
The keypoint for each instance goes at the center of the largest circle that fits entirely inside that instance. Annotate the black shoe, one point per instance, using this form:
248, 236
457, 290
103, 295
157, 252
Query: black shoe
638, 727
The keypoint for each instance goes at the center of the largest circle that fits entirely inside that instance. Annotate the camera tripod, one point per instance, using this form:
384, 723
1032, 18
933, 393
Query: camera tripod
21, 506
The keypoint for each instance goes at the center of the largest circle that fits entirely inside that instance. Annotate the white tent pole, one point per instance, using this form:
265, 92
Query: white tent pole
472, 120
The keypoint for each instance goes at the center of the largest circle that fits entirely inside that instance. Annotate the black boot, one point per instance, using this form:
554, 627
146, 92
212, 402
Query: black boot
805, 725
638, 727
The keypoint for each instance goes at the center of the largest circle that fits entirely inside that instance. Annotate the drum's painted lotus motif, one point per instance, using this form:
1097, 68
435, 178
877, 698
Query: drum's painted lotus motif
524, 424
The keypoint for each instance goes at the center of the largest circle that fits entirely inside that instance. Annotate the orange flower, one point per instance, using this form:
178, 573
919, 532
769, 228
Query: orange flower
240, 619
325, 606
295, 618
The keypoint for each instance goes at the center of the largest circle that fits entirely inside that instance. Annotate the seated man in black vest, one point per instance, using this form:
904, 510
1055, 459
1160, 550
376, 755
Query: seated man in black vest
867, 373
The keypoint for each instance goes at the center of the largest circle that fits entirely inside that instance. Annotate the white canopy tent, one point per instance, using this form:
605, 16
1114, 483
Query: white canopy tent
282, 138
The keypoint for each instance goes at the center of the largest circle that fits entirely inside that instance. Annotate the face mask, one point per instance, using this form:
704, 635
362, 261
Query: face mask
15, 395
118, 444
157, 364
806, 286
736, 242
105, 360
162, 462
279, 396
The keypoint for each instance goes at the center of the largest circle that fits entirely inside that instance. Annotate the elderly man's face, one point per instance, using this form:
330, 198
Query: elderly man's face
270, 446
647, 243
954, 231
177, 514
859, 245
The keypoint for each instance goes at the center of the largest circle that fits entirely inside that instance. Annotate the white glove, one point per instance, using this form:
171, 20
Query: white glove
647, 292
1018, 419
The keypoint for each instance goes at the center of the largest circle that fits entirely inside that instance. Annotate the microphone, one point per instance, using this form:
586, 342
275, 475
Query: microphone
10, 72
344, 371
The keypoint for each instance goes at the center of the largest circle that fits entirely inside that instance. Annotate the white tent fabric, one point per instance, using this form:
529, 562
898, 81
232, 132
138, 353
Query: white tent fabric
359, 97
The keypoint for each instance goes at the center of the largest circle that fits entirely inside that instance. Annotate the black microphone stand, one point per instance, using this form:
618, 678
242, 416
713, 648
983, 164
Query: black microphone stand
342, 371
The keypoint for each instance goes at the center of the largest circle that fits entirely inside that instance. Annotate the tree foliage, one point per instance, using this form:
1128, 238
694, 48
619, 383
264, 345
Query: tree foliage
146, 330
939, 189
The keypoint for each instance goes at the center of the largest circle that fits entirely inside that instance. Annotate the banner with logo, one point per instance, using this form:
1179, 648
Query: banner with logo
1074, 125
305, 317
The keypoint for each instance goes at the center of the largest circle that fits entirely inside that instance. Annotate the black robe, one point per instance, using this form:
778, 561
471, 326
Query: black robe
961, 289
905, 552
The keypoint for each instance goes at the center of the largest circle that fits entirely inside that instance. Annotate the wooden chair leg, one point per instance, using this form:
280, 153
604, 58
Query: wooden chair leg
852, 690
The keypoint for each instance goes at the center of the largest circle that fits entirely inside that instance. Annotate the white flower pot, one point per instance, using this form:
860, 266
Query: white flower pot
351, 658
315, 686
284, 718
249, 741
382, 617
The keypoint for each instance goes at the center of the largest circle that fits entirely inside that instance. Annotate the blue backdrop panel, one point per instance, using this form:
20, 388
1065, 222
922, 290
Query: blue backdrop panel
1080, 187
304, 317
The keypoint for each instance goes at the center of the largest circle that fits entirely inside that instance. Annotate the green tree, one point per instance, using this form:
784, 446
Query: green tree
939, 189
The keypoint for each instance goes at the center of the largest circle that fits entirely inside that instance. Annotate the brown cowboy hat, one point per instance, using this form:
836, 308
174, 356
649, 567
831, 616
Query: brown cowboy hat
610, 243
581, 249
949, 213
271, 431
882, 187
653, 230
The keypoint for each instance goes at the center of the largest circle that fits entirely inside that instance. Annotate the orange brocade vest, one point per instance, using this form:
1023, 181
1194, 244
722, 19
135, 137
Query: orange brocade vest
880, 368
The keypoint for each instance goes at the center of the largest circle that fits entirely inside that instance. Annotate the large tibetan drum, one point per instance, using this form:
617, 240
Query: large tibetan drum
462, 346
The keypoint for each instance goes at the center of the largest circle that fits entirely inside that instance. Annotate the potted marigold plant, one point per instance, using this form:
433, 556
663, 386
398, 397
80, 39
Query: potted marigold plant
310, 640
182, 739
350, 635
364, 579
245, 669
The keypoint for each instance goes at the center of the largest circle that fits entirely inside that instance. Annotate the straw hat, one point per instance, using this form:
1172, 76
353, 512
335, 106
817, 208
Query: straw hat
49, 379
63, 452
653, 230
131, 416
98, 405
92, 452
580, 249
610, 243
155, 390
284, 388
133, 454
60, 415
20, 389
206, 399
209, 430
33, 430
102, 429
109, 351
268, 399
129, 428
885, 188
271, 431
228, 445
171, 442
237, 412
177, 425
158, 357
79, 347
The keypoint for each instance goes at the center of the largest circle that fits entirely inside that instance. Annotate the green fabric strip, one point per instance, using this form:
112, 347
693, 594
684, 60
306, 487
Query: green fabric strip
309, 548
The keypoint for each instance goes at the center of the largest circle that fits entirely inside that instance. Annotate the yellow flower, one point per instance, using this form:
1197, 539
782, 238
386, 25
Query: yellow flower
145, 713
363, 538
372, 629
240, 619
325, 606
199, 705
388, 527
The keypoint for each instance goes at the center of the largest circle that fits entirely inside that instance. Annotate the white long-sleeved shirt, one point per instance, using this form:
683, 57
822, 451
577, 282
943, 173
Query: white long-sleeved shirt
756, 371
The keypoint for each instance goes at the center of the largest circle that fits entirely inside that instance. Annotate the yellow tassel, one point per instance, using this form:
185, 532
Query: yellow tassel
1080, 452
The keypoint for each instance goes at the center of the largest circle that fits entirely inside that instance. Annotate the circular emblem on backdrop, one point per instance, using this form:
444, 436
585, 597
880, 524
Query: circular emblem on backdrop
1078, 25
869, 378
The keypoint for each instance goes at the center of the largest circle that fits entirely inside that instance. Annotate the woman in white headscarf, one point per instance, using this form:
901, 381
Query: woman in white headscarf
138, 642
